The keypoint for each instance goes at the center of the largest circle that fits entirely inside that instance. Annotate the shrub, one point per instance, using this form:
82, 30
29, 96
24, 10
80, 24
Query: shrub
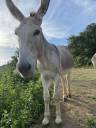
91, 122
21, 101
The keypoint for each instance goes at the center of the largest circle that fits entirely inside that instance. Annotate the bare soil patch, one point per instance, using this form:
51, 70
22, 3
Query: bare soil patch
81, 106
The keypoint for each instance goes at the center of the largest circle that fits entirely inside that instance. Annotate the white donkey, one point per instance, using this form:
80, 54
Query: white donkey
93, 60
53, 62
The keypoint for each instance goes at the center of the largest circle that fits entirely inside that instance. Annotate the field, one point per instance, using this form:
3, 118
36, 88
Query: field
80, 110
21, 101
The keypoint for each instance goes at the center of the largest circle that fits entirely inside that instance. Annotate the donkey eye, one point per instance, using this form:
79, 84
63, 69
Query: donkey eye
36, 32
15, 32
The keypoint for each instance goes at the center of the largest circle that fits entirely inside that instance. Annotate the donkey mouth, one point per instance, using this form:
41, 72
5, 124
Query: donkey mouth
26, 75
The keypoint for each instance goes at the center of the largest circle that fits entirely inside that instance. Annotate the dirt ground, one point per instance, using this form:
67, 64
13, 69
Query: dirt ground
81, 106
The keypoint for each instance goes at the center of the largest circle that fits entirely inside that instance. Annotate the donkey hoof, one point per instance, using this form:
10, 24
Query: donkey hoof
65, 99
58, 120
70, 96
45, 121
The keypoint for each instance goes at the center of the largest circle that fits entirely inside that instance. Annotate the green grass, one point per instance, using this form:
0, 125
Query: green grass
92, 97
21, 101
91, 122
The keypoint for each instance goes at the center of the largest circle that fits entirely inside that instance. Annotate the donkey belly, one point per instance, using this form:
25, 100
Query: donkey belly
65, 58
50, 72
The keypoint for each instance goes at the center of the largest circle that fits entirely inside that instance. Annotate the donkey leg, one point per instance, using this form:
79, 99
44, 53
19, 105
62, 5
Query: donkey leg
94, 65
46, 101
64, 88
68, 85
58, 114
57, 95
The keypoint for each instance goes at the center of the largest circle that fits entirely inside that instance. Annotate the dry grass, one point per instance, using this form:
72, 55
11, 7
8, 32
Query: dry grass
82, 105
83, 102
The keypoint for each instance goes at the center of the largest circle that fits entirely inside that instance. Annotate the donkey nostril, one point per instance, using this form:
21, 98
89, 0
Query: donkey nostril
29, 66
24, 68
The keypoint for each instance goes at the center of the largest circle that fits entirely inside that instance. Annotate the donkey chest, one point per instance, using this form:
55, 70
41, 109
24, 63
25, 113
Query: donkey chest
48, 69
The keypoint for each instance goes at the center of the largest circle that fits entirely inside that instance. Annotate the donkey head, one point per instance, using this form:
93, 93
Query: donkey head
29, 33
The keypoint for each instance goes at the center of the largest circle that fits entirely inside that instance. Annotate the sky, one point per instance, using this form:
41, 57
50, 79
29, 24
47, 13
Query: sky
63, 19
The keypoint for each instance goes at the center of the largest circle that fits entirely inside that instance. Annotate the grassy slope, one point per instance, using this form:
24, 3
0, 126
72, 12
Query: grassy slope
83, 103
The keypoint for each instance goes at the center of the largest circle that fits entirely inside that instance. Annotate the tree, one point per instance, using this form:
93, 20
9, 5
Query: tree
14, 58
83, 46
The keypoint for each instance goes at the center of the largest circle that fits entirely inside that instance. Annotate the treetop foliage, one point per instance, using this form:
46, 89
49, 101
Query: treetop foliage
83, 46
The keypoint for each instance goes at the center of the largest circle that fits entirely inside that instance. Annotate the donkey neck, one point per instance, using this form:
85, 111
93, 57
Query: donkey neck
42, 47
43, 50
45, 53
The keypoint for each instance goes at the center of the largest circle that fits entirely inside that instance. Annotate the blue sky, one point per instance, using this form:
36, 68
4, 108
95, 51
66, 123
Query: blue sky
63, 19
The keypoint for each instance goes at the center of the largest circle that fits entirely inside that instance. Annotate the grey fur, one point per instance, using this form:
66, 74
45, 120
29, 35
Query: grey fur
93, 60
66, 58
14, 10
49, 52
44, 7
54, 62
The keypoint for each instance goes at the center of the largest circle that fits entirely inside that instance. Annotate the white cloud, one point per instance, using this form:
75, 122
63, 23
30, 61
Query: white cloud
7, 26
52, 27
4, 61
8, 40
88, 6
52, 31
54, 8
8, 23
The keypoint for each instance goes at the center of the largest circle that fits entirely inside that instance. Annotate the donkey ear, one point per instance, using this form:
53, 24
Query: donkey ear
14, 10
43, 8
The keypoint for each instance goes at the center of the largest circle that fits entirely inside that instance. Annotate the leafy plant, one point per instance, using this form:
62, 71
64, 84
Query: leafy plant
21, 101
83, 46
91, 122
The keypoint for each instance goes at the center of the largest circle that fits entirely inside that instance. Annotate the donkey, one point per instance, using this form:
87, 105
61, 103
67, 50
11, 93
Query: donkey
93, 60
54, 62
